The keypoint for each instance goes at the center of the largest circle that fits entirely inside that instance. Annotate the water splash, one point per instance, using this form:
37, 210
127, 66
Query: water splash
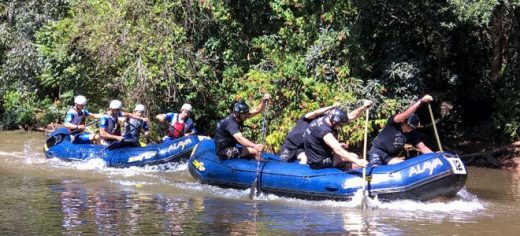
464, 202
90, 164
11, 154
30, 155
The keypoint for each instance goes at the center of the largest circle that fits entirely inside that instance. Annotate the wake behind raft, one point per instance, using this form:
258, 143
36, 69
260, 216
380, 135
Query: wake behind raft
422, 178
59, 145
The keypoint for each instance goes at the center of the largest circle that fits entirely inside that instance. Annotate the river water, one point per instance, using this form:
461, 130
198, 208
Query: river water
49, 197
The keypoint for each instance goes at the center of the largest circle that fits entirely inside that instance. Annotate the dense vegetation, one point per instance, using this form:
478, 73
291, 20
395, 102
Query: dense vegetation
306, 53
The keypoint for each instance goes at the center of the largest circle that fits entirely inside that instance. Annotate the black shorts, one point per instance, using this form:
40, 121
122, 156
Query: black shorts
290, 155
325, 163
230, 153
377, 156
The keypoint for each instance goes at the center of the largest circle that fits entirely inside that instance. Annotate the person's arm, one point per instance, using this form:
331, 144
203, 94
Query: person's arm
103, 123
161, 117
423, 148
246, 142
68, 118
359, 111
105, 135
260, 106
70, 126
133, 116
331, 141
401, 117
313, 114
94, 115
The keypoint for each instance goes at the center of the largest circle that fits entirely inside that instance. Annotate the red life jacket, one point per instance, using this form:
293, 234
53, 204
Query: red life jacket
176, 129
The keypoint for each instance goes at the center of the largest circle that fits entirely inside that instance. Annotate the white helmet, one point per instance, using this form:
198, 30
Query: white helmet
139, 107
80, 100
186, 107
115, 104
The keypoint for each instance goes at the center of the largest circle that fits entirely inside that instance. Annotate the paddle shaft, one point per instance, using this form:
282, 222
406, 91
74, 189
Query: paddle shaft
365, 144
256, 183
140, 130
75, 131
435, 128
365, 141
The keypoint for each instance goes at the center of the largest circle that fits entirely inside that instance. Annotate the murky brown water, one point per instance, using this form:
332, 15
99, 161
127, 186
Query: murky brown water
49, 197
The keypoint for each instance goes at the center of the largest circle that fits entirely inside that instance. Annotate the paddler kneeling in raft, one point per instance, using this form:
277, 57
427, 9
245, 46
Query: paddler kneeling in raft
228, 132
75, 121
109, 128
322, 147
399, 130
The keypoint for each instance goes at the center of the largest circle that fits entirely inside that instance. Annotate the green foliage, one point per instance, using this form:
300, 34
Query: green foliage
28, 110
306, 54
475, 12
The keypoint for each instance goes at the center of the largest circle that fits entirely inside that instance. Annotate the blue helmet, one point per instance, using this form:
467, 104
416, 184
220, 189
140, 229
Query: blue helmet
240, 107
338, 116
413, 121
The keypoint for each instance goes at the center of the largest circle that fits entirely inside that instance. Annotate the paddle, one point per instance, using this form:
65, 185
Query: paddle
365, 192
435, 128
140, 130
255, 187
75, 131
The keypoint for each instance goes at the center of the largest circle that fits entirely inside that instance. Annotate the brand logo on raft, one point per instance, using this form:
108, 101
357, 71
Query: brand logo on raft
429, 165
199, 165
181, 145
142, 156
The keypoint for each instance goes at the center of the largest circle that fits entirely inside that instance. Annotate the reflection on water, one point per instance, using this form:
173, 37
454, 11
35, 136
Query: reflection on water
50, 197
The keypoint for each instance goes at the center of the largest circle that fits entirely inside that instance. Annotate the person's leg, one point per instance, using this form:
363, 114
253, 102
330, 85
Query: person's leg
249, 151
395, 160
287, 154
343, 162
375, 156
325, 163
229, 153
302, 157
82, 138
94, 138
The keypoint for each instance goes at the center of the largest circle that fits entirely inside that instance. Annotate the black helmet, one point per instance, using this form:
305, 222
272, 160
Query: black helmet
338, 116
413, 121
240, 108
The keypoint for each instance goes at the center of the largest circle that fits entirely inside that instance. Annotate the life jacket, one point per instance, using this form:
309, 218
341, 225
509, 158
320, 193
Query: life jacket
133, 127
176, 129
79, 117
113, 126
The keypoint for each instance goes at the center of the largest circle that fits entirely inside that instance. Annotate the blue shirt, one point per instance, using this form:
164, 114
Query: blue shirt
110, 123
74, 117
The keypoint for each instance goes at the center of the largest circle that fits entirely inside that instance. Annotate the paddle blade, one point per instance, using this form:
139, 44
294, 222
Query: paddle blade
364, 202
253, 189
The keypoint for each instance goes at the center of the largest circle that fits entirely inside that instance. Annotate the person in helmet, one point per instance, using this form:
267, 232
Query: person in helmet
292, 148
75, 121
133, 127
398, 131
321, 144
109, 129
228, 132
179, 124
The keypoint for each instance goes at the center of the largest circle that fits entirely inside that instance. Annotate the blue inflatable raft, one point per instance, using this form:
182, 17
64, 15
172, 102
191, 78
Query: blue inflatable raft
120, 154
422, 178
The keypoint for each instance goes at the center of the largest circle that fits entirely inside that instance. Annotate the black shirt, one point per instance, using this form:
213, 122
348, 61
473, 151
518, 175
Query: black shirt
294, 139
391, 139
224, 133
316, 149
